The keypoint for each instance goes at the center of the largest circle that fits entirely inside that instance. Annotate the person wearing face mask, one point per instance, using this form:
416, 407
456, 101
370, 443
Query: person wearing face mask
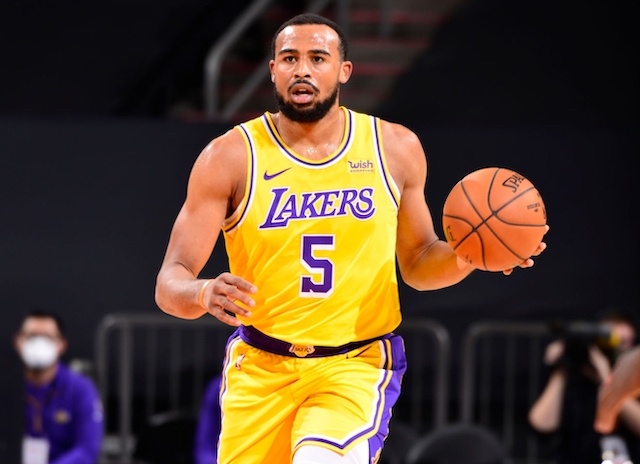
565, 410
63, 412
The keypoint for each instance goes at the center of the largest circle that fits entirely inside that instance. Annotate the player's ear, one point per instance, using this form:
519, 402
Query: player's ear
346, 68
272, 63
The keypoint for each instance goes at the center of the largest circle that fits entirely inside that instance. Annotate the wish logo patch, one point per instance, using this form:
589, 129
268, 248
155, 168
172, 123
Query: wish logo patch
360, 166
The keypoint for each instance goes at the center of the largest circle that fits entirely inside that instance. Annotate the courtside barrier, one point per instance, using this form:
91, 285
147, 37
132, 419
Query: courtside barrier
501, 369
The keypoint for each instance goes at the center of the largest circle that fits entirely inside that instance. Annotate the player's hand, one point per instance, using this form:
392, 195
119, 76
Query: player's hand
622, 385
222, 293
463, 265
529, 261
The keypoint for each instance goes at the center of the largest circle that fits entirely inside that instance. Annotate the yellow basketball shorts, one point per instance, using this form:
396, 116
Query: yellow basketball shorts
273, 403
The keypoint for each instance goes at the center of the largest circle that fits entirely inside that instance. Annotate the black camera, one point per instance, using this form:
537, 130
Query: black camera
579, 335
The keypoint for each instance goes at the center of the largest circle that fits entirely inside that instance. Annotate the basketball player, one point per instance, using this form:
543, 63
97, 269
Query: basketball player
315, 203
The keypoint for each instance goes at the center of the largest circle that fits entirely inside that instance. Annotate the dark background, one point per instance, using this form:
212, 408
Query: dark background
94, 169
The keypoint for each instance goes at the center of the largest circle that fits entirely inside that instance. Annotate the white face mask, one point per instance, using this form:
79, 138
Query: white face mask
39, 352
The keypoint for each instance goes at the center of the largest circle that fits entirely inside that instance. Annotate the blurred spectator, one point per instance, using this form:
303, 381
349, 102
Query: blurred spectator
581, 360
208, 429
64, 416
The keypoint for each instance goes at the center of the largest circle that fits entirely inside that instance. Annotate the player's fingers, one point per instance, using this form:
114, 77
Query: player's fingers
540, 249
524, 265
224, 292
225, 298
222, 316
229, 304
233, 293
238, 282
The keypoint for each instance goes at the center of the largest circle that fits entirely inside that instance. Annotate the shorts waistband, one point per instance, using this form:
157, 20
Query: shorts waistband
257, 339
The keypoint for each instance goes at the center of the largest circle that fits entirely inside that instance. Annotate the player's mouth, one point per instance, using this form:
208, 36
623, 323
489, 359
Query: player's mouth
302, 93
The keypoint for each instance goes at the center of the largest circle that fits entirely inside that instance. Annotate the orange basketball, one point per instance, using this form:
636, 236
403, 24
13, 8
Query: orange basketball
494, 219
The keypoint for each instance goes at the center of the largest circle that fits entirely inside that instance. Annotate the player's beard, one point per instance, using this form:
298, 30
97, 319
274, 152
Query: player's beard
305, 113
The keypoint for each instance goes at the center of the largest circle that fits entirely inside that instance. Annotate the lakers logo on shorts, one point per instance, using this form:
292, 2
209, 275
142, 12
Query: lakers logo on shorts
301, 350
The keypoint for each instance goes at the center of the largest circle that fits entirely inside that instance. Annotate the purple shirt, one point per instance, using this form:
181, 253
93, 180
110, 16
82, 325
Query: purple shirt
206, 446
68, 413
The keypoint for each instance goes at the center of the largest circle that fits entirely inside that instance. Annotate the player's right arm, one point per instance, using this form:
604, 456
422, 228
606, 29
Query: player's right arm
215, 188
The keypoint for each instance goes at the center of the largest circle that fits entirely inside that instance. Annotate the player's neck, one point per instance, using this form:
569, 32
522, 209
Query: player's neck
316, 140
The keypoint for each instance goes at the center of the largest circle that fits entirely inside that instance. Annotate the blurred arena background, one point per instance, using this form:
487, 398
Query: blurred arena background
105, 106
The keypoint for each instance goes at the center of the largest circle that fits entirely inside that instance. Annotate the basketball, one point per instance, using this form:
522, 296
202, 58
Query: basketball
494, 218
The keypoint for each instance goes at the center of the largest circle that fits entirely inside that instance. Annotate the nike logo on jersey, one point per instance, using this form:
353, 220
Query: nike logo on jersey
271, 176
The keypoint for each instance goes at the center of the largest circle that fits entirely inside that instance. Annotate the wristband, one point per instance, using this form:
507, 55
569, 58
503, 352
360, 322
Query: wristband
201, 293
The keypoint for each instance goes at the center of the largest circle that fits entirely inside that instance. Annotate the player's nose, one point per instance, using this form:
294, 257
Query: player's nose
302, 69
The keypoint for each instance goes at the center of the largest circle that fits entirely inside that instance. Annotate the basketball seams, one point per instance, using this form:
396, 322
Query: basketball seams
474, 229
494, 212
479, 198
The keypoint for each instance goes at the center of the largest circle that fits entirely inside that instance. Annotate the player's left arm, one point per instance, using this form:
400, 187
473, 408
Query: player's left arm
426, 262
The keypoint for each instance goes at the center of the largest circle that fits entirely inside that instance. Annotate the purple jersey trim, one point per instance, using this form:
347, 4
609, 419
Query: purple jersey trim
378, 145
298, 159
251, 180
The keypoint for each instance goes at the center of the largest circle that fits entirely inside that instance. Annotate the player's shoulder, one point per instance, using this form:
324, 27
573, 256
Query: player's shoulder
400, 142
229, 143
221, 165
397, 134
404, 152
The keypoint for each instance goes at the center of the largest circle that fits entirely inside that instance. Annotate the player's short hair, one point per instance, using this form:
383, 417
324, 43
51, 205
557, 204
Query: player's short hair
312, 18
41, 313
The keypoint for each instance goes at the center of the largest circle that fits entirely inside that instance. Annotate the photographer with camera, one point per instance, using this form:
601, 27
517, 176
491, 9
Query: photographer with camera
581, 359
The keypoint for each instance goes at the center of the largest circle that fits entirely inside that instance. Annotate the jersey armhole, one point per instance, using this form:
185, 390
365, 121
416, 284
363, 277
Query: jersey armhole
387, 179
236, 217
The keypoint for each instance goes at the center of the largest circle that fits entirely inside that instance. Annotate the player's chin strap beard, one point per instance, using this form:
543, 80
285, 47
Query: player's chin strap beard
312, 114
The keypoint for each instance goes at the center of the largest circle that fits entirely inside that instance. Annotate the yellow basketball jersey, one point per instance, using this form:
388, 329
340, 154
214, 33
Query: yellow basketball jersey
318, 238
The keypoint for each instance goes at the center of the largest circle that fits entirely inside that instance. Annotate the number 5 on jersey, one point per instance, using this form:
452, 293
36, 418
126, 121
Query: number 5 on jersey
320, 268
